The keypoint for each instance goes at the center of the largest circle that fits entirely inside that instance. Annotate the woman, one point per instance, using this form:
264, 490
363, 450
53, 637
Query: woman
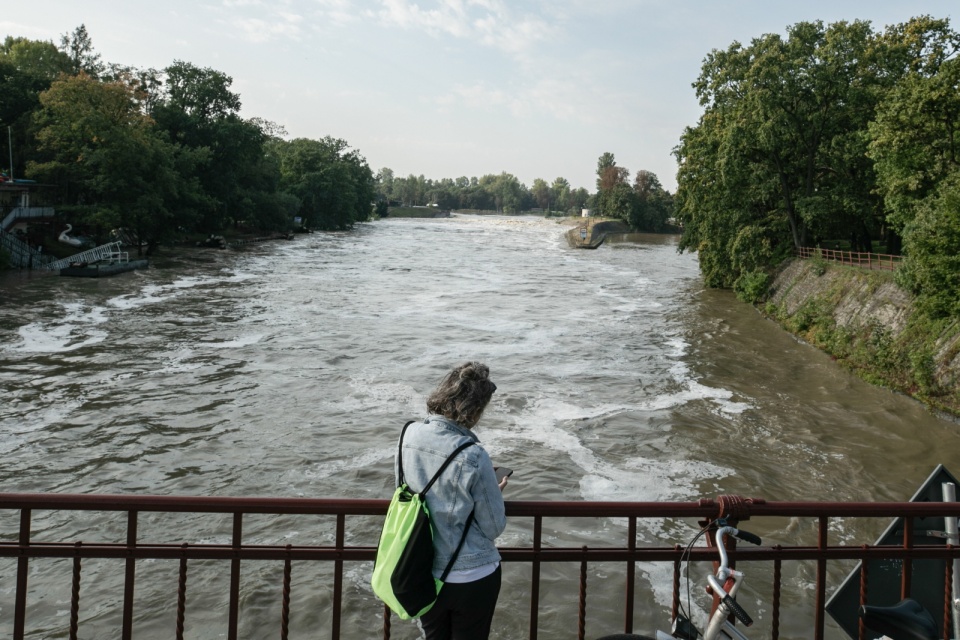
464, 607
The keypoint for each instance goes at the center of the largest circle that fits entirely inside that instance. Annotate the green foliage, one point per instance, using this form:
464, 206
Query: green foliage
931, 268
817, 264
752, 286
811, 313
781, 146
334, 185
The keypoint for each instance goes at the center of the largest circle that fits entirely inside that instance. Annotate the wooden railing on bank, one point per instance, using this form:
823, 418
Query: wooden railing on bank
20, 512
860, 259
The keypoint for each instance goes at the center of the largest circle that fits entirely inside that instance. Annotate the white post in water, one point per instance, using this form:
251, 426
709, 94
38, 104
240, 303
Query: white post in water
950, 524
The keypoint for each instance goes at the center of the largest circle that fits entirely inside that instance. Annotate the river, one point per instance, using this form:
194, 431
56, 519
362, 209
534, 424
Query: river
286, 369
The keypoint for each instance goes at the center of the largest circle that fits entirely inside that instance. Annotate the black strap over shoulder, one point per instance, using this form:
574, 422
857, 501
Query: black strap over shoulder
423, 494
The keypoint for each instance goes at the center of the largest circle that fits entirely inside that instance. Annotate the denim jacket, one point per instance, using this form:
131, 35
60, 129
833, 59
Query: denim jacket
468, 483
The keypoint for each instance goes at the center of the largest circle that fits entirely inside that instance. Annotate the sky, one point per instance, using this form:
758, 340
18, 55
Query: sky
450, 88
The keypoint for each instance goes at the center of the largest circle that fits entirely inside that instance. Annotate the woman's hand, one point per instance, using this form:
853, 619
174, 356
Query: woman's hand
503, 482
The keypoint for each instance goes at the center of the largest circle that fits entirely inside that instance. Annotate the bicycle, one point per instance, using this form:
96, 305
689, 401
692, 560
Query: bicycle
907, 620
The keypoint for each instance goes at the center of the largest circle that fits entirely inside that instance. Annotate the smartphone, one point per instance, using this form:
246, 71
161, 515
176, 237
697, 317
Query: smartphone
502, 472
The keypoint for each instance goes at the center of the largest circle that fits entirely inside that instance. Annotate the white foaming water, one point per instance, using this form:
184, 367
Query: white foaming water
76, 329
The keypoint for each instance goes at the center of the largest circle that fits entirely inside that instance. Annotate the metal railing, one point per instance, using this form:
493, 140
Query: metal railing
22, 255
110, 252
134, 551
881, 261
26, 213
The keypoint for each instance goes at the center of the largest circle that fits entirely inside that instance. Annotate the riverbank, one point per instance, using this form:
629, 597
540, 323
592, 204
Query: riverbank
869, 325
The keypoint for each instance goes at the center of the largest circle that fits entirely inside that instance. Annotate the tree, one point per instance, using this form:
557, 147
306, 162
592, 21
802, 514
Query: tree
385, 184
109, 159
199, 111
334, 184
541, 193
915, 139
78, 47
651, 204
35, 58
605, 161
932, 267
780, 148
560, 193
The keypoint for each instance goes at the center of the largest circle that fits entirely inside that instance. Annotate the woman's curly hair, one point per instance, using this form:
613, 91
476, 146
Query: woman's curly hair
463, 394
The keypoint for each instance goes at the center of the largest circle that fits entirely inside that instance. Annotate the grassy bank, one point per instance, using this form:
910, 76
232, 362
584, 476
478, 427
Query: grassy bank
870, 326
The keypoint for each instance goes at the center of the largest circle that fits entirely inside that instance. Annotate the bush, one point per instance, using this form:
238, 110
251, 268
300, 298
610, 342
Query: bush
817, 264
752, 287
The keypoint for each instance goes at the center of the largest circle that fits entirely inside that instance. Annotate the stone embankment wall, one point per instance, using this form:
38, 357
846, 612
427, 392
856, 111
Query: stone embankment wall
597, 232
868, 323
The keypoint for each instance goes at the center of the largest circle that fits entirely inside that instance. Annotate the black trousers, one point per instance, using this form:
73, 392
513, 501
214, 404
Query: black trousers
463, 611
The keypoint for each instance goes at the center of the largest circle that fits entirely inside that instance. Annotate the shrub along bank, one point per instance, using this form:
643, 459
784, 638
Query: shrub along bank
872, 326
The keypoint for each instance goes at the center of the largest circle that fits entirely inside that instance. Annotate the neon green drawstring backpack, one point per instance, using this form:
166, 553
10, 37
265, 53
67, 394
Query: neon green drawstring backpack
403, 571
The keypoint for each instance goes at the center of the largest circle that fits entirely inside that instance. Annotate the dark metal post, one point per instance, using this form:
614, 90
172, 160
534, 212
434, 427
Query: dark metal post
234, 618
20, 608
130, 575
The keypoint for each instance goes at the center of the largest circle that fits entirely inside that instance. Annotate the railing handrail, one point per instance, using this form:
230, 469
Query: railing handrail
526, 508
864, 259
96, 253
735, 508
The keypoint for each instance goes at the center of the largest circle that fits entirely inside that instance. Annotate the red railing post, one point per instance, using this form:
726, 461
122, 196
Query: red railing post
23, 565
237, 542
338, 576
821, 576
907, 574
535, 577
631, 574
582, 608
75, 596
130, 573
182, 591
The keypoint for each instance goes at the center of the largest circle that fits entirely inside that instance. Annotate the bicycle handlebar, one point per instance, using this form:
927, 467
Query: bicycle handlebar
724, 571
746, 536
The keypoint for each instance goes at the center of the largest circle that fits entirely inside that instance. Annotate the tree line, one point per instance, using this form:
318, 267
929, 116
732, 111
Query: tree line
644, 206
503, 193
155, 151
161, 152
834, 135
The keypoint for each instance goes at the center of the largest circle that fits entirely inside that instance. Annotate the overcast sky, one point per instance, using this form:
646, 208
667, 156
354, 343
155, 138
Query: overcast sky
449, 88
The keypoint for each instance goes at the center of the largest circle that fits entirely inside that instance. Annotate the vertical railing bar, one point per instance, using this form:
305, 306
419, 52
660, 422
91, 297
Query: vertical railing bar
75, 595
675, 605
907, 567
631, 575
386, 622
182, 592
285, 603
23, 566
864, 564
777, 578
947, 595
234, 619
129, 576
338, 575
535, 577
582, 609
821, 577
